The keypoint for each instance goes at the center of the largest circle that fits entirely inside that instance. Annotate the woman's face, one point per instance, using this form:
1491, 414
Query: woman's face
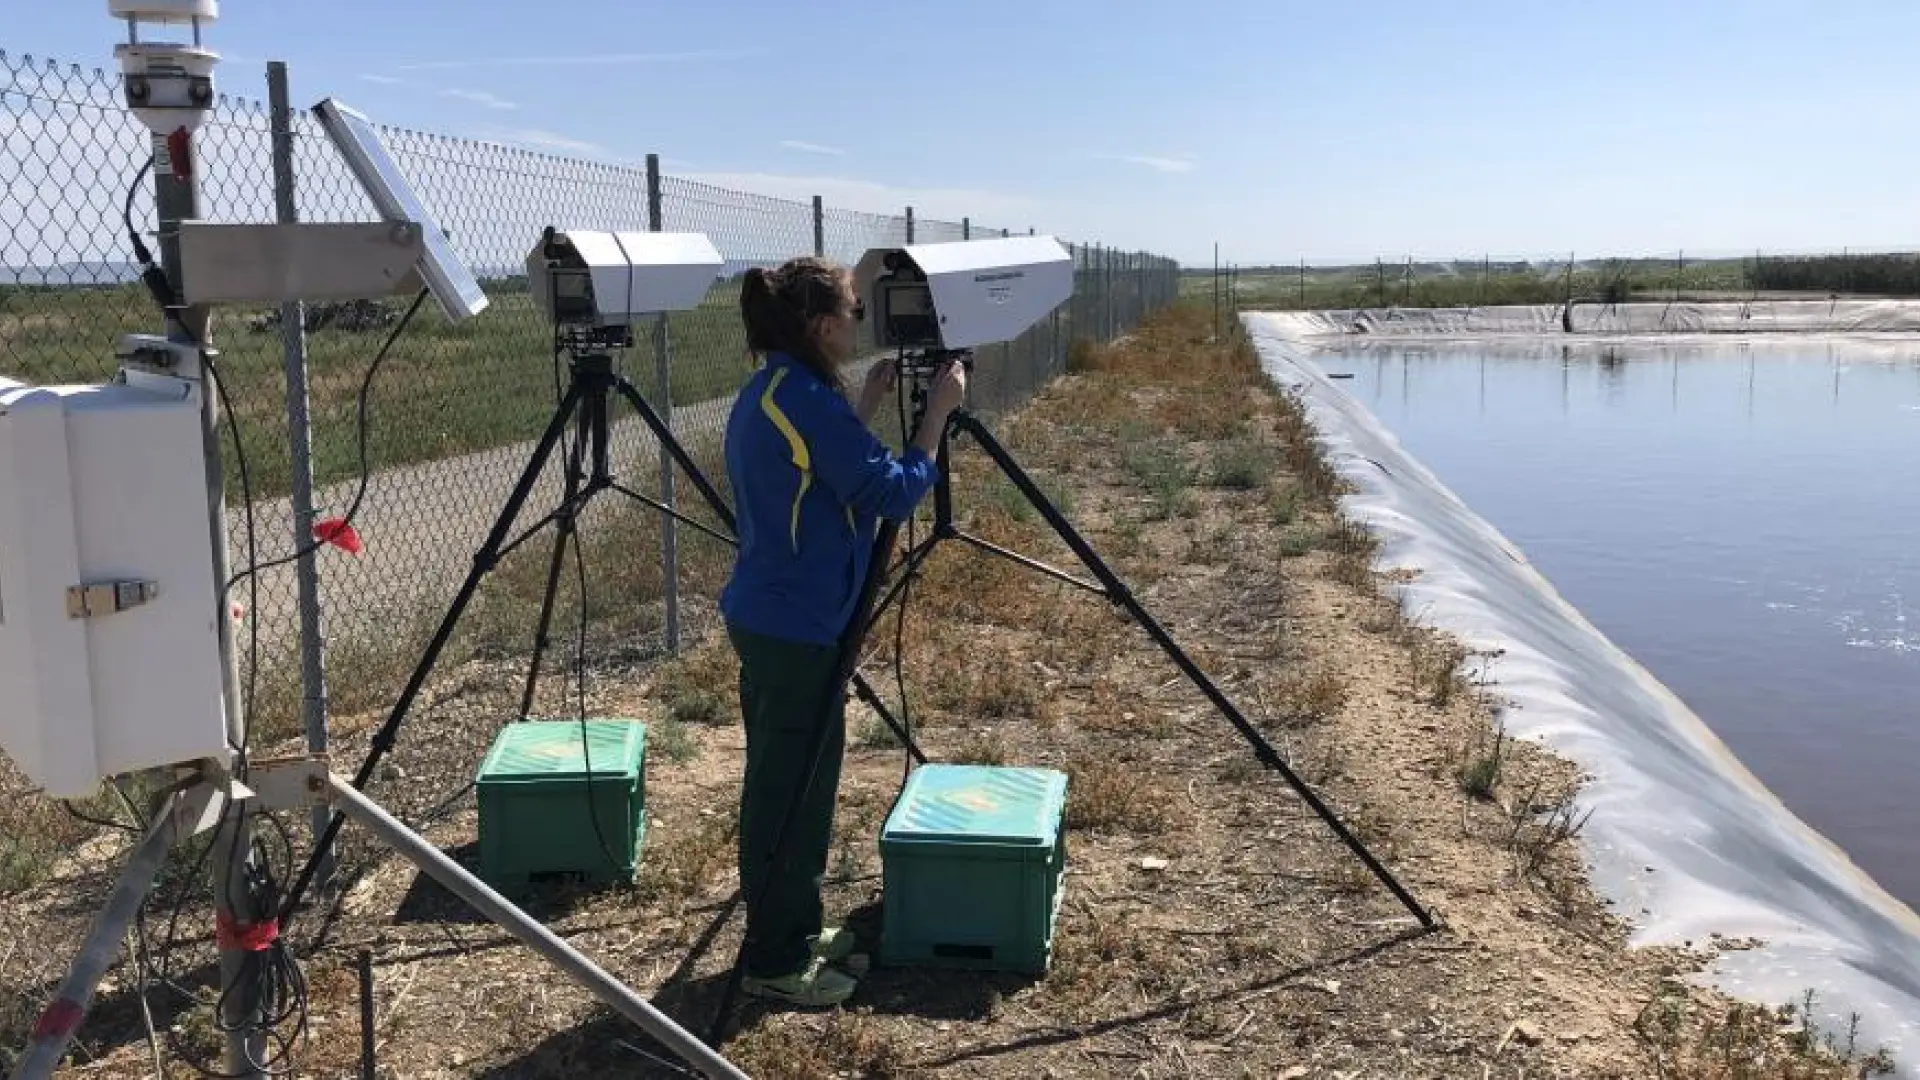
838, 334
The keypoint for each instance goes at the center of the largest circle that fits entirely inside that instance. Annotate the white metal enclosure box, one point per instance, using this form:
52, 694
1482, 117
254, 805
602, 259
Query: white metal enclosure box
102, 485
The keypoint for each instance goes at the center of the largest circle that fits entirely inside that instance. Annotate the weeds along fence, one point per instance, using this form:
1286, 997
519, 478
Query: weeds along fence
1413, 281
454, 412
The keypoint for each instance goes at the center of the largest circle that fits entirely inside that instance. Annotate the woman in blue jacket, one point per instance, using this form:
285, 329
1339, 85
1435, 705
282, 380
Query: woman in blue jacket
810, 482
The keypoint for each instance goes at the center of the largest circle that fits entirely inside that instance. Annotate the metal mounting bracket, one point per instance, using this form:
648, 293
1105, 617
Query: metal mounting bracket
277, 264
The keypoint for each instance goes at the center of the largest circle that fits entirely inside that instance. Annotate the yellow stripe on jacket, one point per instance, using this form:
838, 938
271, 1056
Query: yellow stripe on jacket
802, 460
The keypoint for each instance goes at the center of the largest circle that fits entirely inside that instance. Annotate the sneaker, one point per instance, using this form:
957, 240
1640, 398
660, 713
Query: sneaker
835, 943
816, 986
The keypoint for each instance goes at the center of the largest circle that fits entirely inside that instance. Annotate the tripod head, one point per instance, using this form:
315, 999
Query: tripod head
919, 367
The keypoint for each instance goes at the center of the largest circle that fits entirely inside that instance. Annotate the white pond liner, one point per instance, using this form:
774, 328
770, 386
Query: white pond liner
1682, 838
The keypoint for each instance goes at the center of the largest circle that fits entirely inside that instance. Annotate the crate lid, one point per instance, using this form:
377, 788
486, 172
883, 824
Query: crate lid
979, 804
551, 750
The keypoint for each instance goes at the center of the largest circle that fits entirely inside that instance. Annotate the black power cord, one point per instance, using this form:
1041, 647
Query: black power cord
269, 974
269, 977
900, 393
361, 429
580, 679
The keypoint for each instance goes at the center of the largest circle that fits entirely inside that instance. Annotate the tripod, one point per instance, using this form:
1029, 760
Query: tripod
1109, 586
593, 382
871, 607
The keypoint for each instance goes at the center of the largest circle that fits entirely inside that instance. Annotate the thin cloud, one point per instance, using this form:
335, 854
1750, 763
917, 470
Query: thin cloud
550, 141
480, 97
849, 193
1159, 164
812, 148
383, 80
588, 59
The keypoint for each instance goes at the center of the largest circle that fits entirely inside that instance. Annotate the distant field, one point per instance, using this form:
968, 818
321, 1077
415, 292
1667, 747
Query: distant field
444, 390
1469, 283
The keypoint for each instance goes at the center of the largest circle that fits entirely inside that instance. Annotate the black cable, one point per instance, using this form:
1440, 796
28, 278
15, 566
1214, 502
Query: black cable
269, 976
253, 559
580, 678
263, 990
906, 589
273, 976
362, 427
99, 823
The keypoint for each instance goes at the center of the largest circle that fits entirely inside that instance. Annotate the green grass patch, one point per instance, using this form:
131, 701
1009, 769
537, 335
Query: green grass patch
444, 389
1239, 465
1158, 468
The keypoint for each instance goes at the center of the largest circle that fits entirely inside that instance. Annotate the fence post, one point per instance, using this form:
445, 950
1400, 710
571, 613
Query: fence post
293, 340
1054, 366
663, 359
819, 228
909, 224
966, 228
1113, 330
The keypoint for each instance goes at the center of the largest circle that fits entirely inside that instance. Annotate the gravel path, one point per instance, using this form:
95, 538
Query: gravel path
421, 524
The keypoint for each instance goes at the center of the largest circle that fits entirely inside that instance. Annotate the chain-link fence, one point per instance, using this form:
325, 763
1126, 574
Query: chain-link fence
446, 426
453, 414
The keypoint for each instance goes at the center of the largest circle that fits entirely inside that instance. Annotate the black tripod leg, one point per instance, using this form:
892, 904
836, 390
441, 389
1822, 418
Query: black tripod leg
568, 519
678, 451
1120, 594
849, 659
483, 563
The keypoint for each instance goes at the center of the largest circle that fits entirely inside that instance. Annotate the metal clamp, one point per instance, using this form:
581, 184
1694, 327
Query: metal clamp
108, 597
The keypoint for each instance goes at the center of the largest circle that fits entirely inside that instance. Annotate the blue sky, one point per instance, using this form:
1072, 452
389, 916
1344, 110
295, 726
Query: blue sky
1280, 130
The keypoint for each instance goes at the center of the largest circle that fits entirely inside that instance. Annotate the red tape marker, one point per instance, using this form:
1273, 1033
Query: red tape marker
59, 1020
247, 937
337, 532
180, 153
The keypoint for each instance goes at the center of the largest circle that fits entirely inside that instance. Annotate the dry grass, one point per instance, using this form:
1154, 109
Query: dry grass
1210, 925
1109, 795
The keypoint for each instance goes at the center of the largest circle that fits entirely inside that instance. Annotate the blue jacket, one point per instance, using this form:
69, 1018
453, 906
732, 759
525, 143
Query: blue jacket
810, 482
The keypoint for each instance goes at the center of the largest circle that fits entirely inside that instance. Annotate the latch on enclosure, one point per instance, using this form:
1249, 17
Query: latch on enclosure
108, 597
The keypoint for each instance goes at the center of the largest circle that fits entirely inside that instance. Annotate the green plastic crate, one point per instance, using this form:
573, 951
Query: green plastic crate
972, 863
535, 818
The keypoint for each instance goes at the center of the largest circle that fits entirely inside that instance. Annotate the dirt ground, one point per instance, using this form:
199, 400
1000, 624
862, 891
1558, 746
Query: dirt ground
1212, 923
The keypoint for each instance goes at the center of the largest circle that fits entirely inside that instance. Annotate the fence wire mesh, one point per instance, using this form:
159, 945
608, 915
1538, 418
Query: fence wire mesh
452, 416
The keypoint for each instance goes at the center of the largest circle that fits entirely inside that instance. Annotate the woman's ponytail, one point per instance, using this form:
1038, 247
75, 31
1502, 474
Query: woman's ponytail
778, 306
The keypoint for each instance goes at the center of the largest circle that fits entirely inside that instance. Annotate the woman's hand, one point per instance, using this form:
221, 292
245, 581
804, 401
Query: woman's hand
882, 377
948, 392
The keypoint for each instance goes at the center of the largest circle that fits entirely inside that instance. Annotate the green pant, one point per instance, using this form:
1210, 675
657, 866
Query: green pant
783, 697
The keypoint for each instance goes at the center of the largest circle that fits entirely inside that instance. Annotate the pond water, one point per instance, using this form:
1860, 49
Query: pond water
1741, 516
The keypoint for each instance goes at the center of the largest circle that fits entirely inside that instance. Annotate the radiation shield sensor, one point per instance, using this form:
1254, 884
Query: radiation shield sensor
446, 275
962, 295
589, 279
167, 85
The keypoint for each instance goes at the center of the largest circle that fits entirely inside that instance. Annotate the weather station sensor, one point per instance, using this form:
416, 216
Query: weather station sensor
958, 296
167, 85
583, 278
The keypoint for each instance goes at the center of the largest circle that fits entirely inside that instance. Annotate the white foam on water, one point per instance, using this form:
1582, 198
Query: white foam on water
1726, 856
